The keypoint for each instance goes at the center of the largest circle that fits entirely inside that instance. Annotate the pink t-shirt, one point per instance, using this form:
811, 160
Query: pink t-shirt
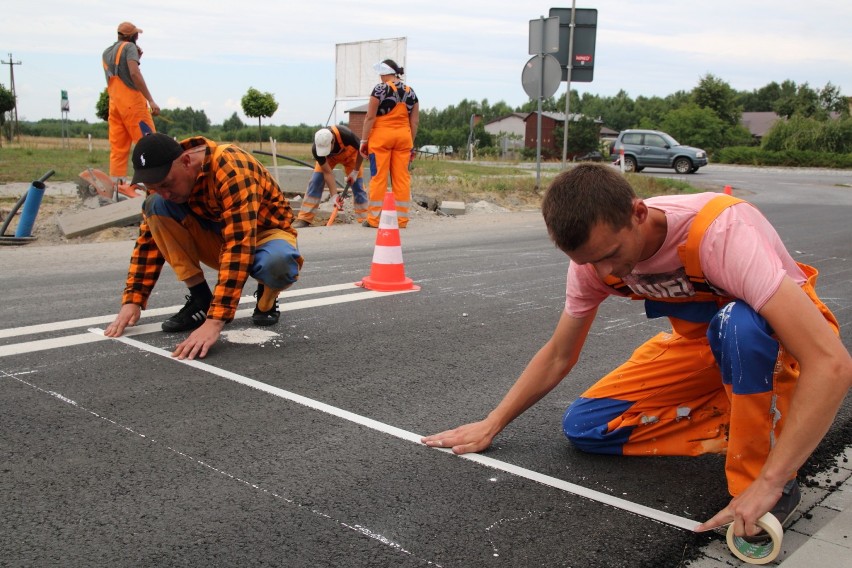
741, 255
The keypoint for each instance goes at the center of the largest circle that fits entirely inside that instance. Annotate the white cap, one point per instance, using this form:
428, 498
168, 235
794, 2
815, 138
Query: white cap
323, 140
384, 69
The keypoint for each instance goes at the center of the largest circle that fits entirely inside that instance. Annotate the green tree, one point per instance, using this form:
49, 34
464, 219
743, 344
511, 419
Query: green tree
830, 99
232, 124
717, 95
182, 122
695, 126
102, 106
257, 104
7, 103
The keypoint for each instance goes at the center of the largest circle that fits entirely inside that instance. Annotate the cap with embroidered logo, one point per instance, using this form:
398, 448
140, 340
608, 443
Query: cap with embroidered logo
153, 157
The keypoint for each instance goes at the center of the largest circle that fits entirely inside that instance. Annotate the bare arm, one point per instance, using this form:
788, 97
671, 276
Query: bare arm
141, 86
825, 378
544, 371
414, 120
372, 109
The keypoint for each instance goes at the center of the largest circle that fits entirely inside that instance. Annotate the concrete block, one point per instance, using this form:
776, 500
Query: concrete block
453, 207
121, 214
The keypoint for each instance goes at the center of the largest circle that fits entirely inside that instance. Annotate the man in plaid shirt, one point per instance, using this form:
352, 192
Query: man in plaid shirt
213, 204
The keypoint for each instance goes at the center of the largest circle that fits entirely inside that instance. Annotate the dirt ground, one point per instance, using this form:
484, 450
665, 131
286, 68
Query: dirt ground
63, 198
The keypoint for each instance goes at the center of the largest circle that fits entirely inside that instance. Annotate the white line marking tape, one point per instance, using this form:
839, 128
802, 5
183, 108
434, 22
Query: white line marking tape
88, 322
82, 338
642, 510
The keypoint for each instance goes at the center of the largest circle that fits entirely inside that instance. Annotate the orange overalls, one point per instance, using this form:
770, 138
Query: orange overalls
390, 147
719, 382
348, 157
127, 109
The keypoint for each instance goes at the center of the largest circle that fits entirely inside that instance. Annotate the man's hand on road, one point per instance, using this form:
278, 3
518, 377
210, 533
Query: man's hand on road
199, 341
128, 315
465, 439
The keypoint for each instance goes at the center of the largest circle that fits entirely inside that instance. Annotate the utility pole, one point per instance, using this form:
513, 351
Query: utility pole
11, 63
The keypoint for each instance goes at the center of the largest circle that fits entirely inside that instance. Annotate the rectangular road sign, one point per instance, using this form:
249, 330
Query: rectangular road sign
585, 33
544, 35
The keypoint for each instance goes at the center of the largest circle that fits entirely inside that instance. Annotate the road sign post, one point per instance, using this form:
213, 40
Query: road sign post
541, 75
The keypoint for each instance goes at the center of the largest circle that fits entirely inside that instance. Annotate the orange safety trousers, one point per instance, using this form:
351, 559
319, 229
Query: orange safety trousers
718, 387
127, 109
186, 241
390, 148
313, 195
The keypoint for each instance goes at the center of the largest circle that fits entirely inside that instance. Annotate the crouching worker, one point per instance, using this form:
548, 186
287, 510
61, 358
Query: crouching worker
213, 204
334, 145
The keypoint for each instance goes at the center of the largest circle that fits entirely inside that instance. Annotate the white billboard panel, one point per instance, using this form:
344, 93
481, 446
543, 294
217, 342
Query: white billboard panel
354, 73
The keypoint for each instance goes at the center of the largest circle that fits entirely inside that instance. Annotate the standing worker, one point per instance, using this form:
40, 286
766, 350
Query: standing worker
129, 98
214, 204
334, 145
388, 140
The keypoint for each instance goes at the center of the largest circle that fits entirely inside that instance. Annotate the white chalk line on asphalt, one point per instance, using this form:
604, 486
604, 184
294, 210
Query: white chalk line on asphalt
83, 338
360, 529
623, 504
97, 320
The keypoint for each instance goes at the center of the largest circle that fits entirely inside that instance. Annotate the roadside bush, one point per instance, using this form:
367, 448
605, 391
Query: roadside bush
809, 134
747, 155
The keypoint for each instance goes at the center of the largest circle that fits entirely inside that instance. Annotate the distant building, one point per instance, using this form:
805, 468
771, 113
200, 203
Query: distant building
357, 116
508, 131
759, 123
549, 122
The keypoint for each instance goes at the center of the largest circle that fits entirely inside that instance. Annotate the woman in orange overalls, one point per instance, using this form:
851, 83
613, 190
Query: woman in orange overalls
388, 141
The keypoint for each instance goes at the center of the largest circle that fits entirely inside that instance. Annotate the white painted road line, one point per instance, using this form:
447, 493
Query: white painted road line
82, 338
89, 322
642, 510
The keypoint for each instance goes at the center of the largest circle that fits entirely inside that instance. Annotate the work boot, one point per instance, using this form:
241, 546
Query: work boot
367, 224
300, 224
783, 510
191, 315
266, 298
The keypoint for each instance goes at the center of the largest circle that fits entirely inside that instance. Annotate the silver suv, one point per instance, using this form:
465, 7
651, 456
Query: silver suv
655, 149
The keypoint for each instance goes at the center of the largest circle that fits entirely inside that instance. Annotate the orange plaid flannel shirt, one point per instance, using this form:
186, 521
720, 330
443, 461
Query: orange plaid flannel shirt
236, 191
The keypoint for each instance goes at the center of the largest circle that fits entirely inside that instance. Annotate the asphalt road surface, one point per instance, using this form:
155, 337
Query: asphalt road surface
296, 445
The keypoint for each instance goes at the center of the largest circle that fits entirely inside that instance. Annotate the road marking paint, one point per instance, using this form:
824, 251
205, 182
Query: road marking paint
97, 320
83, 338
636, 508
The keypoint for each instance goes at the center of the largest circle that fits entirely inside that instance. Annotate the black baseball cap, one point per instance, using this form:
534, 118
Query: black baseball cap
153, 157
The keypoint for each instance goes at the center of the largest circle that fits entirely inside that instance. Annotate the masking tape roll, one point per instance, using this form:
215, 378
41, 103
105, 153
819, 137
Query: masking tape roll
761, 552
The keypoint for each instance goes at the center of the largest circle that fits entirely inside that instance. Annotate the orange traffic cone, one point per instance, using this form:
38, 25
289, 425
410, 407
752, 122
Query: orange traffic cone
388, 273
727, 190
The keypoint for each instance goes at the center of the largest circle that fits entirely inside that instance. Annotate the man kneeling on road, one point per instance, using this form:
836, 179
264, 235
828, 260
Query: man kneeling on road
210, 203
753, 365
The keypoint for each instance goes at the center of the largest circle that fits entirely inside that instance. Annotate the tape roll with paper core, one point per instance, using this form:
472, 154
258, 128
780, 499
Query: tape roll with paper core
761, 552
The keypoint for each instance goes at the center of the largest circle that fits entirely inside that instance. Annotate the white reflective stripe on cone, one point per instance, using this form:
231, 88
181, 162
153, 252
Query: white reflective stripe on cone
388, 220
387, 255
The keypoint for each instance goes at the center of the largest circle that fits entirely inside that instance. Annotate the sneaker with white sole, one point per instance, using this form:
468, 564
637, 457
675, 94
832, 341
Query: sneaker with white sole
191, 315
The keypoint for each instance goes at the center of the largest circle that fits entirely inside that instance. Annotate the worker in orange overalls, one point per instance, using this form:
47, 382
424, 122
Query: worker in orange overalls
129, 98
388, 141
753, 365
333, 145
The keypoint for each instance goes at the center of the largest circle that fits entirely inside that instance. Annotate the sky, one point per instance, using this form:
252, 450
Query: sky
206, 55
